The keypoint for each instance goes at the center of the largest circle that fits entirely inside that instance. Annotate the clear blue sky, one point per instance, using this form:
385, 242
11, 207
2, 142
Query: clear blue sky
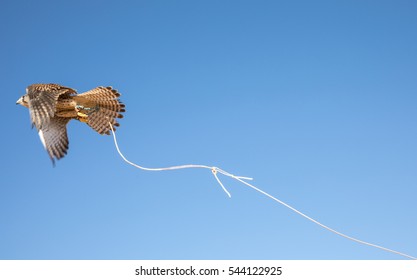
317, 100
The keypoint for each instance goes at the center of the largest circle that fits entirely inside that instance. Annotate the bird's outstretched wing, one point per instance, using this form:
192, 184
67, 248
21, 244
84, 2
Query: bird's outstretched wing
53, 134
42, 101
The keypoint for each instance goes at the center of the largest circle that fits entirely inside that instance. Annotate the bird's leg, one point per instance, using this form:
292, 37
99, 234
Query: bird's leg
83, 112
82, 117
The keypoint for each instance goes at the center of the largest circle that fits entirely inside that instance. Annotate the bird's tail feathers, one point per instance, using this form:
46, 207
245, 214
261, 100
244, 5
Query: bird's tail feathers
98, 107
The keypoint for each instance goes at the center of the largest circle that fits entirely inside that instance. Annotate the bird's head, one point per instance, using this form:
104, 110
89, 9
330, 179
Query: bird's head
24, 101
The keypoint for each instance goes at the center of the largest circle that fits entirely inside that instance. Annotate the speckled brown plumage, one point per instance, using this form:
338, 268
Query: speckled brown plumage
52, 106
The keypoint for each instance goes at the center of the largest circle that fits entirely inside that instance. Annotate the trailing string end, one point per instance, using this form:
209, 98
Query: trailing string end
214, 171
324, 226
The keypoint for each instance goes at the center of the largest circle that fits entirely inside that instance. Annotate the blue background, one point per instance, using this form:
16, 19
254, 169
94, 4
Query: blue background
316, 100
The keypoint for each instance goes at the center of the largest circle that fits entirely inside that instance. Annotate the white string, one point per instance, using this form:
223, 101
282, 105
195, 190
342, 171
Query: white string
241, 179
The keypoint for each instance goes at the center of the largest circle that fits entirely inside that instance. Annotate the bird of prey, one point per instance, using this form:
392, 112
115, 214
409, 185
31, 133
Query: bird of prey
52, 106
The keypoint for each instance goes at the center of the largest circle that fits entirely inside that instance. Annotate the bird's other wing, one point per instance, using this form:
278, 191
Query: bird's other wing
42, 101
54, 137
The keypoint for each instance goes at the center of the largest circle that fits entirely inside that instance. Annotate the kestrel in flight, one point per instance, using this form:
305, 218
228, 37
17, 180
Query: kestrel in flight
52, 106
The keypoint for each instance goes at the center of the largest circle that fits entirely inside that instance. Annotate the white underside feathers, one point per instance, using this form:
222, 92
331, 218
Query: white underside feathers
42, 138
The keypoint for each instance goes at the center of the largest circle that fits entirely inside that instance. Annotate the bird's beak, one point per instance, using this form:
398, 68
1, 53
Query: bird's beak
19, 101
